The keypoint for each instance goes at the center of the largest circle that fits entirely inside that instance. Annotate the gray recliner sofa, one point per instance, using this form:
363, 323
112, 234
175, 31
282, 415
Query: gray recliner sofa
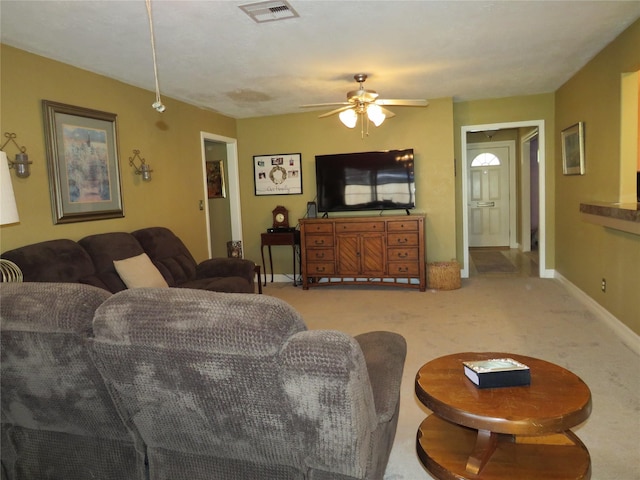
59, 419
216, 386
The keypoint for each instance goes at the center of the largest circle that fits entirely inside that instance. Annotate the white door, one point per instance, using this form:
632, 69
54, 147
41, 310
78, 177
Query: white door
488, 199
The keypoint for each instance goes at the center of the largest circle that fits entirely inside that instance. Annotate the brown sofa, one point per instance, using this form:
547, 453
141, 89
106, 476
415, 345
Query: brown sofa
91, 261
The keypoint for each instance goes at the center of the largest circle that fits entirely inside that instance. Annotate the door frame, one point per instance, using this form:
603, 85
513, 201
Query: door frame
543, 272
511, 145
233, 188
525, 189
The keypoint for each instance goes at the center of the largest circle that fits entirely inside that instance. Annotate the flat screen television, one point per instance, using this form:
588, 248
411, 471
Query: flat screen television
381, 180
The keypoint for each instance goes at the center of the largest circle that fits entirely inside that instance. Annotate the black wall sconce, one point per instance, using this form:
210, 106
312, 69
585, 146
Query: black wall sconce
21, 163
144, 169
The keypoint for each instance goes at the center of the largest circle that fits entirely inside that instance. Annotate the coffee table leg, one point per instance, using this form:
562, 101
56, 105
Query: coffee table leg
485, 446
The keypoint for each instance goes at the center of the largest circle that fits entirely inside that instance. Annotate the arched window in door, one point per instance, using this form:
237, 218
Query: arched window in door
484, 160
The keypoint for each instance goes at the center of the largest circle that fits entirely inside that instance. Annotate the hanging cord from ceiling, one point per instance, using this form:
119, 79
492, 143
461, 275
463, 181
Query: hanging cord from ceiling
158, 105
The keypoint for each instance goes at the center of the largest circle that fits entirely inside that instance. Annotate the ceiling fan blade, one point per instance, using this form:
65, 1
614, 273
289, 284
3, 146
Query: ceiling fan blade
325, 104
402, 102
387, 113
337, 110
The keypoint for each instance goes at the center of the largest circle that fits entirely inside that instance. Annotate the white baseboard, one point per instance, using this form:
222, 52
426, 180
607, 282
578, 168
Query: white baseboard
548, 273
628, 336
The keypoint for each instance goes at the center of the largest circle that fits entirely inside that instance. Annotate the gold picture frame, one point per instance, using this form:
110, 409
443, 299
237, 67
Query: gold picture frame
573, 149
82, 159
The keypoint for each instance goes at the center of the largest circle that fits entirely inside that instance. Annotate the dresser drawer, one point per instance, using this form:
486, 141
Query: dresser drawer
319, 268
319, 254
403, 268
403, 226
311, 241
401, 239
402, 254
318, 228
374, 226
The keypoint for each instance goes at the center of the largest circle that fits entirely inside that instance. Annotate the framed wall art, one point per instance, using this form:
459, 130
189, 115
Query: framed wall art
82, 159
279, 174
215, 179
573, 149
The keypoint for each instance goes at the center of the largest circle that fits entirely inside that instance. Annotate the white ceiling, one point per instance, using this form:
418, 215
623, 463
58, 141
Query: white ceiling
211, 54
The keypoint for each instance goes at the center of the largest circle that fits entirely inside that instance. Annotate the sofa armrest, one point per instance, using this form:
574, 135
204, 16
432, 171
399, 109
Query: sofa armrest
384, 354
226, 267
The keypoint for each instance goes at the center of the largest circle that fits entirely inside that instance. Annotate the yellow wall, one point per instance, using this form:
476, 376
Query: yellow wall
170, 143
586, 253
582, 252
505, 110
426, 130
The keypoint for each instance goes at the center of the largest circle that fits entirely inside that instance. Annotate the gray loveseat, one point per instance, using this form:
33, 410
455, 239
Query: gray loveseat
189, 384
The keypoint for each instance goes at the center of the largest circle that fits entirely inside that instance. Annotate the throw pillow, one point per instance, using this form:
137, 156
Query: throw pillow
139, 272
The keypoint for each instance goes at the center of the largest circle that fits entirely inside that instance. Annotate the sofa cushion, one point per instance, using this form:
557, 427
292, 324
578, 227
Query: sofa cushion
207, 364
61, 260
139, 272
104, 248
168, 253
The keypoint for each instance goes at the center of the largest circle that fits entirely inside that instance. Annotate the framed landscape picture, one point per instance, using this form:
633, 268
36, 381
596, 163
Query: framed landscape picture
573, 149
82, 159
279, 174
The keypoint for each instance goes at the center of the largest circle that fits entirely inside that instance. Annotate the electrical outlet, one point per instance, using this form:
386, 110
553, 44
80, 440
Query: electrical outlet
603, 285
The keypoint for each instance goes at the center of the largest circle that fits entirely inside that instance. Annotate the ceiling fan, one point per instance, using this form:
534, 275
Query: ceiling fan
363, 101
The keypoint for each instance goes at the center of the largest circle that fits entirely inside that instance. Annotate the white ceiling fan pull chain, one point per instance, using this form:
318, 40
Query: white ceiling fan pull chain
158, 103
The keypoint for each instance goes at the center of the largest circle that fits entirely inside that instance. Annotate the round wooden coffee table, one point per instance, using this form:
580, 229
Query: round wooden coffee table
497, 433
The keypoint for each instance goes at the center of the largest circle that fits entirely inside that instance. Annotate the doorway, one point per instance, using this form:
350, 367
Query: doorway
529, 195
541, 237
223, 217
491, 199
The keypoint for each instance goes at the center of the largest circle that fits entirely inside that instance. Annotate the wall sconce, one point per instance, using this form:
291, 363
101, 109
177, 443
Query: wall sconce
144, 169
21, 163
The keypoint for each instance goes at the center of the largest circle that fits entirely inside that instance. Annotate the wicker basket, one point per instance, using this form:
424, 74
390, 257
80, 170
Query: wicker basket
443, 275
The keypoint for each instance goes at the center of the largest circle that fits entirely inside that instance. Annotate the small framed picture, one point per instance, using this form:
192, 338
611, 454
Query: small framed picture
279, 174
573, 149
215, 179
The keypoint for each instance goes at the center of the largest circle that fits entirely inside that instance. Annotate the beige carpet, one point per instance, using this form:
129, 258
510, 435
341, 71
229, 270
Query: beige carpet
490, 261
513, 313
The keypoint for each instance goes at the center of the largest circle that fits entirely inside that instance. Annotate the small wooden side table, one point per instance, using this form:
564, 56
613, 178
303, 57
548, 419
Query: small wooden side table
270, 239
502, 433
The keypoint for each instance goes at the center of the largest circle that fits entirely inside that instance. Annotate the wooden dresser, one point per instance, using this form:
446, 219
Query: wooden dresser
386, 251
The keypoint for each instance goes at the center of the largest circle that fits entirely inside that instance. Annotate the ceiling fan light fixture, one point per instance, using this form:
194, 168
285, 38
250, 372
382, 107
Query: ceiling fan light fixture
375, 114
349, 118
360, 102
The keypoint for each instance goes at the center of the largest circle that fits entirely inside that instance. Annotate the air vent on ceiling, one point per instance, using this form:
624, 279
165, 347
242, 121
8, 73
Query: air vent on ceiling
269, 11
